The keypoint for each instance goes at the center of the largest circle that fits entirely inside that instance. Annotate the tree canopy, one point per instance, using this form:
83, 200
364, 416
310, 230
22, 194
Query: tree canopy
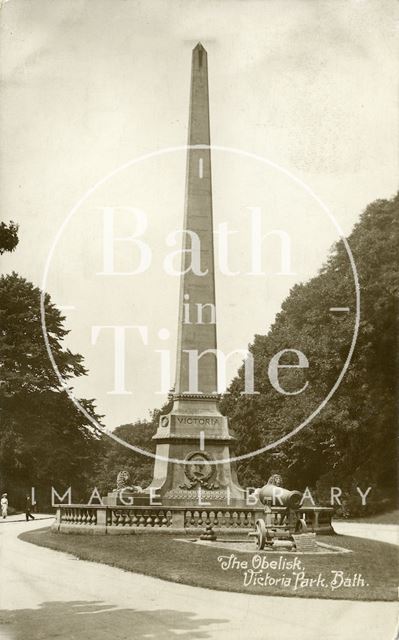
116, 457
44, 440
352, 440
8, 236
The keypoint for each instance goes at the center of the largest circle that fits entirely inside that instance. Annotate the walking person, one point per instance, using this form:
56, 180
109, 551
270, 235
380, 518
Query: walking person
4, 506
28, 509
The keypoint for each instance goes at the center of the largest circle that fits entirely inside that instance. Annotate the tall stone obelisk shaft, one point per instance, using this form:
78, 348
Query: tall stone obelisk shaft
194, 431
197, 311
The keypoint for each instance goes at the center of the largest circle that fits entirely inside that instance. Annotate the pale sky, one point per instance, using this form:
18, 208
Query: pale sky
88, 86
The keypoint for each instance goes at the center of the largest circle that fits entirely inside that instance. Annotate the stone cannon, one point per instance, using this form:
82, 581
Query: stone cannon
282, 520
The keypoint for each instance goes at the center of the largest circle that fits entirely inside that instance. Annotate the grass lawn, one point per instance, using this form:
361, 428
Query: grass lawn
170, 559
390, 517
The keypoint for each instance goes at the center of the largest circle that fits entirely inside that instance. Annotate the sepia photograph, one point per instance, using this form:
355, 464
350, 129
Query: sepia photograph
198, 319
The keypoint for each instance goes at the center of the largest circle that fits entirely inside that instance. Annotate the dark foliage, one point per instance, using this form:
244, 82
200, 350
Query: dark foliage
352, 442
8, 236
116, 457
44, 440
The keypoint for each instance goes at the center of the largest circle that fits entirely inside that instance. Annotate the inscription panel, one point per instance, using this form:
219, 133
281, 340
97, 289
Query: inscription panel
198, 420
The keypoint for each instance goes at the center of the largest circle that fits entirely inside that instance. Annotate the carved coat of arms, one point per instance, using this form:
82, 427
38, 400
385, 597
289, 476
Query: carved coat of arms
199, 472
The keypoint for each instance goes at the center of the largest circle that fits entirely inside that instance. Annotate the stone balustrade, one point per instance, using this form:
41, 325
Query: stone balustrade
136, 518
99, 519
219, 518
79, 515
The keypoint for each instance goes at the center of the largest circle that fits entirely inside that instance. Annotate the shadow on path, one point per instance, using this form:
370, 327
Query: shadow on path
87, 620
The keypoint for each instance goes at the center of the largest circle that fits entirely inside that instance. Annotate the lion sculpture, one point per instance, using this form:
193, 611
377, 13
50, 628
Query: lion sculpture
122, 483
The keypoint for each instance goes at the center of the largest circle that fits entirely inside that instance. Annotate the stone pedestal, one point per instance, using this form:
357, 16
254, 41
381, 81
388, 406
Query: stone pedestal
196, 433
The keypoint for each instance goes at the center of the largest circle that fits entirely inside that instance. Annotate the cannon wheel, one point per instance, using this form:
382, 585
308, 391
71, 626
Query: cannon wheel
261, 533
301, 526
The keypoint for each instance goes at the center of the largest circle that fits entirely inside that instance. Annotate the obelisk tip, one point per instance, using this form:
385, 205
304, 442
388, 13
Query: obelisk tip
199, 46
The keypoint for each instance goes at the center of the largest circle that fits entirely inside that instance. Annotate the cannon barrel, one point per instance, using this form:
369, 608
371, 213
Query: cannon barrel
280, 497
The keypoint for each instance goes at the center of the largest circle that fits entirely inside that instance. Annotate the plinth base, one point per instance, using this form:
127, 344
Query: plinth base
193, 457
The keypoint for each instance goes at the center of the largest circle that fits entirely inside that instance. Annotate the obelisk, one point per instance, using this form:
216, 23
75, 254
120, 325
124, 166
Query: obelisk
195, 432
197, 309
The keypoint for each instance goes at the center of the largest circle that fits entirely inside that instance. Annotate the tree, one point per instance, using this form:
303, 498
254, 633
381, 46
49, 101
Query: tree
115, 457
352, 441
25, 365
44, 440
8, 236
